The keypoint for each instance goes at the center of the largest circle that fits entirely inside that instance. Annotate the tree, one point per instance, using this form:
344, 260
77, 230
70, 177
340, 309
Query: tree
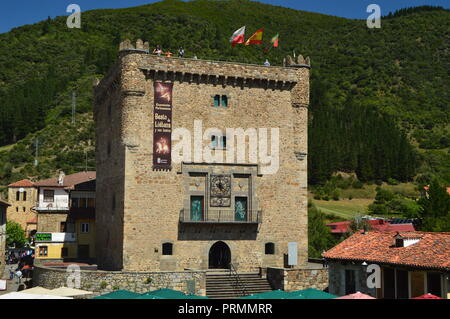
319, 235
435, 209
15, 235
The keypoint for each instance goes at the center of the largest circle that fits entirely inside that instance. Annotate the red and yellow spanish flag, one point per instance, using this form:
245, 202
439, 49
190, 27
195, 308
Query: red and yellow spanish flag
256, 38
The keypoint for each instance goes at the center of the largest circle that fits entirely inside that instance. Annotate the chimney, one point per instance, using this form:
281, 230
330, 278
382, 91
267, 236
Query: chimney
61, 178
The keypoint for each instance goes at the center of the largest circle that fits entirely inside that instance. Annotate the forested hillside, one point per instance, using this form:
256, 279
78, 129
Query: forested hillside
380, 97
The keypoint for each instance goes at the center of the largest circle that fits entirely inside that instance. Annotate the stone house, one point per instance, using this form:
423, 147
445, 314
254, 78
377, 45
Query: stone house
22, 196
406, 264
66, 218
171, 192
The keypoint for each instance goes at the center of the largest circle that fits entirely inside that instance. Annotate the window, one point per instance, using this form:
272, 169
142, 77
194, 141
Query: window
220, 101
197, 208
240, 209
269, 249
17, 209
402, 284
167, 249
24, 196
63, 227
17, 196
218, 142
43, 251
224, 101
85, 227
64, 252
350, 283
24, 209
49, 195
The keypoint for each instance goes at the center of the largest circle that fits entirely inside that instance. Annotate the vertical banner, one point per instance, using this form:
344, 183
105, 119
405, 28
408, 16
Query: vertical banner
162, 126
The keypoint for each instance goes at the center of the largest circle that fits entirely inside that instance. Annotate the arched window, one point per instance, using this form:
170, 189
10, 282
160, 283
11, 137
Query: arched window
167, 249
17, 196
24, 196
269, 249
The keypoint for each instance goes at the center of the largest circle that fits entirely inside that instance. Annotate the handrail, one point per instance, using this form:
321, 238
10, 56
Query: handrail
235, 275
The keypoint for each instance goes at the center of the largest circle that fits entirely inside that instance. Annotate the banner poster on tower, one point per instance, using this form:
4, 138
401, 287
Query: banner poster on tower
162, 126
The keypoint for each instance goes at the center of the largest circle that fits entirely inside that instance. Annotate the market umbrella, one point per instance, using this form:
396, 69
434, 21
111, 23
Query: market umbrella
36, 291
119, 294
275, 294
21, 295
427, 296
357, 295
69, 292
311, 294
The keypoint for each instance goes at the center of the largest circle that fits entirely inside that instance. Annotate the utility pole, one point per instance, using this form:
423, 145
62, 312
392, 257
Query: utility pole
36, 162
74, 106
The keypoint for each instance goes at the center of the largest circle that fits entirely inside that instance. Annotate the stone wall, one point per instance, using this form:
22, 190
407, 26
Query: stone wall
101, 282
337, 278
298, 279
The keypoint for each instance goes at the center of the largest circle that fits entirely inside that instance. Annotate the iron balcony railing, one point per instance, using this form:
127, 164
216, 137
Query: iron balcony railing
222, 216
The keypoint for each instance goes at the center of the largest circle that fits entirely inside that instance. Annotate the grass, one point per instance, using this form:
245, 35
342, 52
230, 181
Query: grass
345, 208
369, 192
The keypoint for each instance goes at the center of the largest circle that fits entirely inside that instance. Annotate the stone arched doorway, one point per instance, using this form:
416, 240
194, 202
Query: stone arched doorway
219, 256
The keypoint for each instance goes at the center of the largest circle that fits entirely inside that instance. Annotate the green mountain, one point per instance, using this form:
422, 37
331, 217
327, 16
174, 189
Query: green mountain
375, 92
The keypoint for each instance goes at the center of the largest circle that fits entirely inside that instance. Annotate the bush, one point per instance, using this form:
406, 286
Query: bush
357, 185
392, 181
336, 194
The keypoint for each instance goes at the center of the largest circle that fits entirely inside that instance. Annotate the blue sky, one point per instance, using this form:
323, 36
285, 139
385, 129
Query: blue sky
19, 12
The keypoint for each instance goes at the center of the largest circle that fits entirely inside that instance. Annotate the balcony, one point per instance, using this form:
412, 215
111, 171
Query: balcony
221, 217
51, 207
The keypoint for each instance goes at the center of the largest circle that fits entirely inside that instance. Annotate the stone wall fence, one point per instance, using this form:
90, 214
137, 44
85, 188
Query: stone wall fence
102, 282
298, 279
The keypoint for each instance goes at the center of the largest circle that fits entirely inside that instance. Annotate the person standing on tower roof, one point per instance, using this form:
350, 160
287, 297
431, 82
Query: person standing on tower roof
157, 51
181, 52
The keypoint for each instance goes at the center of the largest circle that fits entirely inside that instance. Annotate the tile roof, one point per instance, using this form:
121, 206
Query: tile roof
32, 221
380, 225
69, 180
22, 183
431, 251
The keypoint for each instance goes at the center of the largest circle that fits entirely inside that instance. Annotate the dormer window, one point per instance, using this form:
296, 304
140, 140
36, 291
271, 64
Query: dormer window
399, 242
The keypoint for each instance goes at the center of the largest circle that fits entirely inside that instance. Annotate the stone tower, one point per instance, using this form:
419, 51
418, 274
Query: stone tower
170, 193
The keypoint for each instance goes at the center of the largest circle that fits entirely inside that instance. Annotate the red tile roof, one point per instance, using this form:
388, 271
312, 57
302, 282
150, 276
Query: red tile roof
32, 221
69, 180
380, 225
22, 183
431, 251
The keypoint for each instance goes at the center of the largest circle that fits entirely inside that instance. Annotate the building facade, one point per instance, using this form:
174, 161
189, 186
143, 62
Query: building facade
66, 218
410, 264
3, 207
22, 196
169, 194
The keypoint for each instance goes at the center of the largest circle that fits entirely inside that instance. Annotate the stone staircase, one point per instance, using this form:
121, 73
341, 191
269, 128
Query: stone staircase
222, 284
